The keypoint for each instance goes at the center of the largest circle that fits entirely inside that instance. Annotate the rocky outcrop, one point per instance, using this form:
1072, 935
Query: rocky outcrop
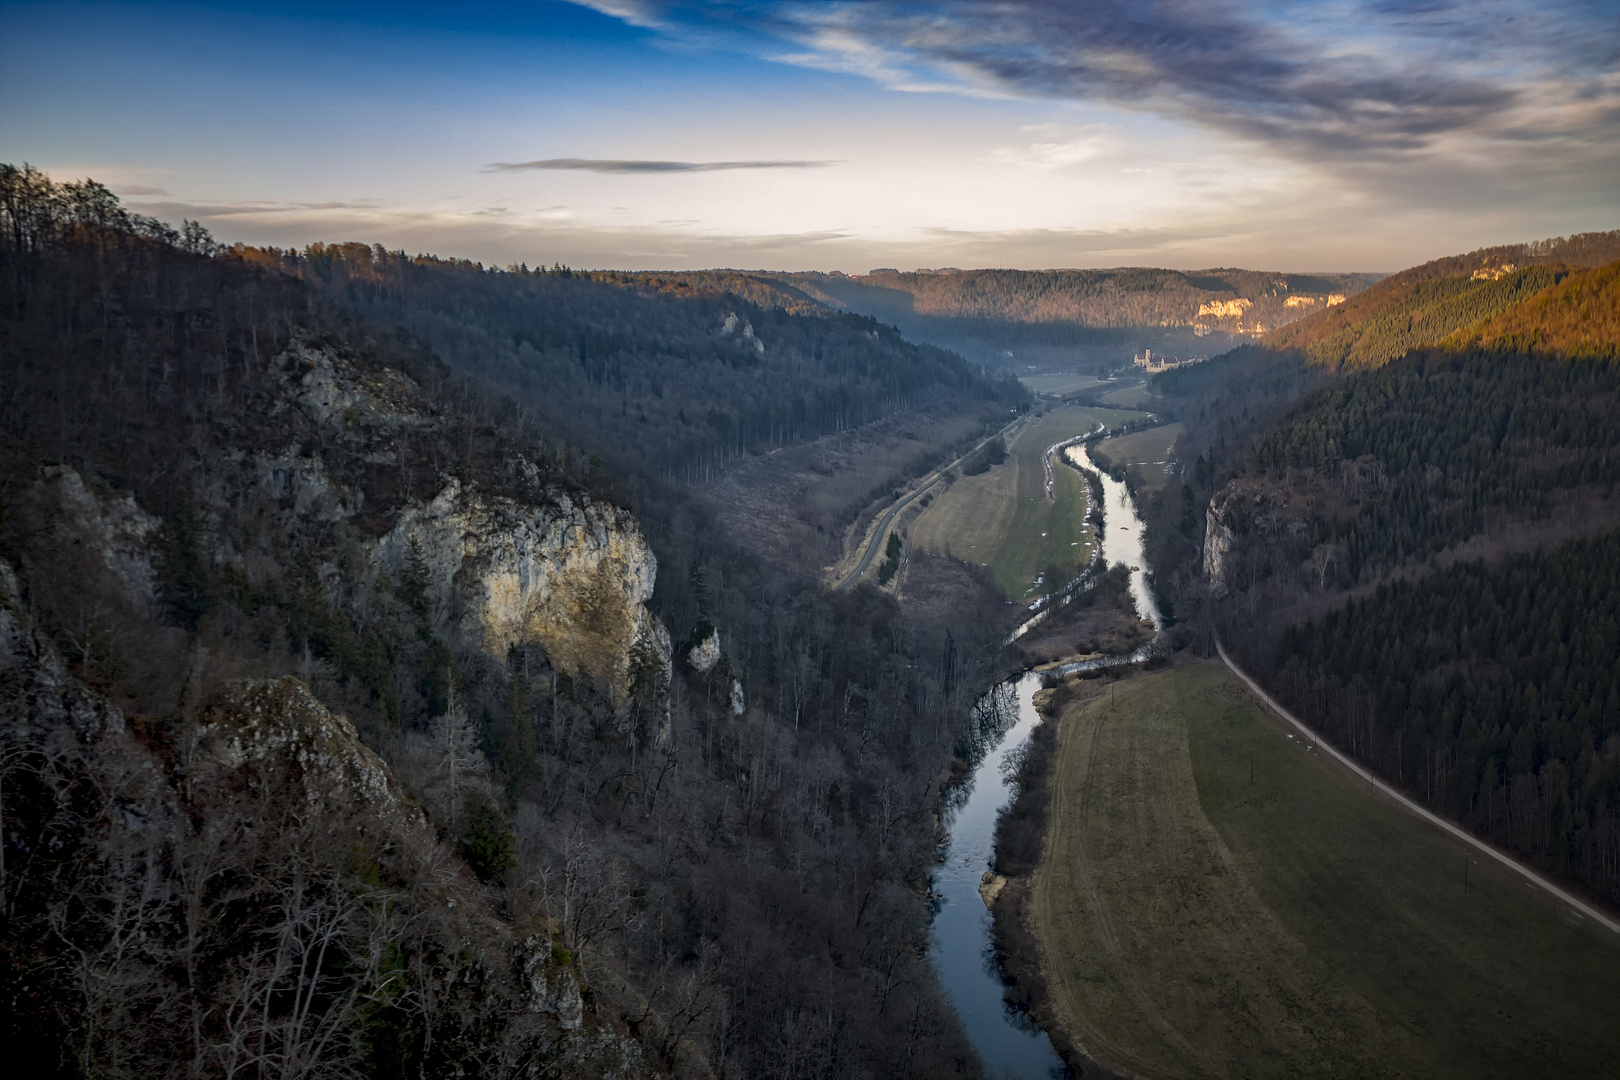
114, 532
706, 653
572, 576
332, 391
1255, 527
38, 698
272, 735
549, 981
1217, 550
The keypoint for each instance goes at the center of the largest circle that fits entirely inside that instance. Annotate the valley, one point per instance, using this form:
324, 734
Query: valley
1006, 520
412, 667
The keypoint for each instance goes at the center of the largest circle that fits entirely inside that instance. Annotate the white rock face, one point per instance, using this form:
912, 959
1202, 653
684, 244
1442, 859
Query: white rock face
706, 654
739, 704
572, 577
333, 391
552, 987
116, 532
1217, 548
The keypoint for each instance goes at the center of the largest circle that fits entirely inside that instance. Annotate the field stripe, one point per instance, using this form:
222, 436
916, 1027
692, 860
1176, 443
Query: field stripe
1580, 906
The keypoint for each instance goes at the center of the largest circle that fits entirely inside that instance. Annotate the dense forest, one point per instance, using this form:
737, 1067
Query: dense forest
731, 864
668, 374
1454, 296
1489, 690
1452, 441
1401, 514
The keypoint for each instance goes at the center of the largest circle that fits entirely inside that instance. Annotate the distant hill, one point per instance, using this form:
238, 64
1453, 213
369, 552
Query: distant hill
1045, 317
1454, 297
1084, 316
1578, 318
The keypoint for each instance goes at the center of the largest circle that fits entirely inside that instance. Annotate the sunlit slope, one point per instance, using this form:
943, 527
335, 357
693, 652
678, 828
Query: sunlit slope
1216, 900
1451, 298
1578, 318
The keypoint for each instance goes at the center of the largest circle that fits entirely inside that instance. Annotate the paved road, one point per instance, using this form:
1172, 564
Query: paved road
1580, 907
875, 538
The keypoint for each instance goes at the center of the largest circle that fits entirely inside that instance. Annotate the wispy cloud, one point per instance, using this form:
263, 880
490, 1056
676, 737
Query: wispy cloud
1361, 77
629, 165
171, 208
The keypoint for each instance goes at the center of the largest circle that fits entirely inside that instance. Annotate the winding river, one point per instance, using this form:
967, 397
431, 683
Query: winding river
1008, 1041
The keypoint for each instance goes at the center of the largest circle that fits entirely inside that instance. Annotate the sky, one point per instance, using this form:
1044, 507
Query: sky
663, 134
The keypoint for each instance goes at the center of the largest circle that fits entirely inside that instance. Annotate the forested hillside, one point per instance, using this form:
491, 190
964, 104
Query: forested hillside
1402, 513
290, 783
1083, 315
1454, 296
1491, 691
673, 375
1579, 319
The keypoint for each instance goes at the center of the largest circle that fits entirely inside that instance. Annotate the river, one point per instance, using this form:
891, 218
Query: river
1008, 1041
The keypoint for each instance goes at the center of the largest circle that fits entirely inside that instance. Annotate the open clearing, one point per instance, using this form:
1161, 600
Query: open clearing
1002, 519
1060, 385
1126, 398
1195, 923
1145, 453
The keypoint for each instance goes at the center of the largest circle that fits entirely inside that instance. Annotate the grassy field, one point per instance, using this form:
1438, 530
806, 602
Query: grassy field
1001, 517
1146, 453
1198, 923
1058, 384
1128, 398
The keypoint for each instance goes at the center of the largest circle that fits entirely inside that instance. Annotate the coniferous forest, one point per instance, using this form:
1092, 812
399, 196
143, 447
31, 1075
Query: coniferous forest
1419, 556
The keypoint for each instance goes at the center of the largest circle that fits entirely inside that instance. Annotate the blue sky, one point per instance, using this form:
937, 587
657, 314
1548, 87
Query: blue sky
796, 135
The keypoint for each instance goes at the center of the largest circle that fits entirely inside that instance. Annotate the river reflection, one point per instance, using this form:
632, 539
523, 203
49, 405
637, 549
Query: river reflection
1121, 541
1008, 1041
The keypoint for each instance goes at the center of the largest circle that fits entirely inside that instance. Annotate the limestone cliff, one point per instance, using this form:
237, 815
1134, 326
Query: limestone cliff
572, 576
512, 557
1252, 528
299, 870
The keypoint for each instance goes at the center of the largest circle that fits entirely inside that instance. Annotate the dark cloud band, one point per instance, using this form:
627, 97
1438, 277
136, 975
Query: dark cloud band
618, 165
1368, 77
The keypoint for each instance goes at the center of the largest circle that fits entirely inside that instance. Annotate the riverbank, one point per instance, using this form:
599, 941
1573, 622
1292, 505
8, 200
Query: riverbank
1020, 834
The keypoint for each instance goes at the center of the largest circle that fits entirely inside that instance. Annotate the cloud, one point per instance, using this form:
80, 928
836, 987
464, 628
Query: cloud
627, 165
251, 208
1357, 78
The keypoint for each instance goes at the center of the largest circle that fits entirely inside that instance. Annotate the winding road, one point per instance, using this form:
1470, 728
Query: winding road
876, 536
1531, 878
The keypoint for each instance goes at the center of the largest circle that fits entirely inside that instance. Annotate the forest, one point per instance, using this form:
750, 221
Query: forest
1491, 691
1452, 297
673, 374
1419, 488
1460, 439
729, 867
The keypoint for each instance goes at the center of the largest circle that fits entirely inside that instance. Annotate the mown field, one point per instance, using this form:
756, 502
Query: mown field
1199, 923
1001, 518
1127, 398
1058, 384
1145, 453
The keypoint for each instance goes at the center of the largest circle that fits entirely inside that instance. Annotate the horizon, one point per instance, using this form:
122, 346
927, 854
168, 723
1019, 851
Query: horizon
657, 136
